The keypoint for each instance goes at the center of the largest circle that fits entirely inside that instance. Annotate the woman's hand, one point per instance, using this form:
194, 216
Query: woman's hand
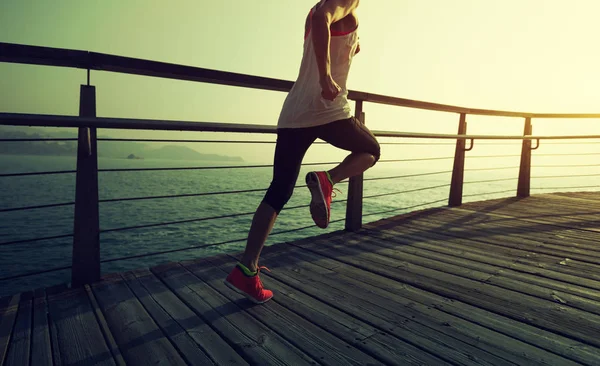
329, 88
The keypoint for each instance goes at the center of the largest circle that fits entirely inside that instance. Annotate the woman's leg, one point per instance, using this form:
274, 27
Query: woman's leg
291, 146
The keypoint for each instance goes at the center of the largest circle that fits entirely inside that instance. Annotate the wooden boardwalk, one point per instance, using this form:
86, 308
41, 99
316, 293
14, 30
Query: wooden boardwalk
508, 281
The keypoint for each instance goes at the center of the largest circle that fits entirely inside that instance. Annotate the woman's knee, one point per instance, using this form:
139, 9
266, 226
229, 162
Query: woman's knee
375, 151
279, 194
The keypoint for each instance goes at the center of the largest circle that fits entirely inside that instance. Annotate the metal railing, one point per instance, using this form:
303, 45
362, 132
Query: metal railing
86, 261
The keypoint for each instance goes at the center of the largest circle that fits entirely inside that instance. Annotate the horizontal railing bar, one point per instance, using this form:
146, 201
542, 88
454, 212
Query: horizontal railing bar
205, 245
491, 156
564, 166
498, 168
416, 159
175, 222
184, 168
40, 139
273, 142
20, 119
199, 219
569, 154
36, 55
29, 274
205, 167
181, 195
36, 239
261, 141
409, 175
486, 193
571, 142
303, 227
405, 208
38, 173
565, 176
36, 207
571, 187
169, 251
49, 56
480, 137
409, 191
402, 102
44, 120
164, 169
202, 141
492, 180
564, 115
419, 143
192, 194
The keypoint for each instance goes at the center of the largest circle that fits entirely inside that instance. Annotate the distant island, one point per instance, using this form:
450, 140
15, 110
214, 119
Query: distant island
106, 149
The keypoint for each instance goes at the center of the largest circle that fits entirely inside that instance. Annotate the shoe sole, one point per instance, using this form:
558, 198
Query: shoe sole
318, 206
231, 286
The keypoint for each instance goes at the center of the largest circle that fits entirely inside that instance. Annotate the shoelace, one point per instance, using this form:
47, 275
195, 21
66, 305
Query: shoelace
333, 194
263, 267
258, 277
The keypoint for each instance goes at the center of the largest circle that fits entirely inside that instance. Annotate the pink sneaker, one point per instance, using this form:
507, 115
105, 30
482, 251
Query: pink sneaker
320, 205
249, 286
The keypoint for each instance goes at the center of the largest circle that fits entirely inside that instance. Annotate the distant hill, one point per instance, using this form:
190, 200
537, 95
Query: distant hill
174, 152
108, 149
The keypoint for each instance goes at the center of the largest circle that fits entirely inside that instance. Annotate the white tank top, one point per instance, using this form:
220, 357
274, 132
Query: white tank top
304, 106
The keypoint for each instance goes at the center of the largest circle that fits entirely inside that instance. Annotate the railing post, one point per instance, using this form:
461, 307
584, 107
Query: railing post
355, 188
86, 230
523, 186
458, 172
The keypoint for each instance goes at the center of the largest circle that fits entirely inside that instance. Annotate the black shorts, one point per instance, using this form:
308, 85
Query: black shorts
292, 143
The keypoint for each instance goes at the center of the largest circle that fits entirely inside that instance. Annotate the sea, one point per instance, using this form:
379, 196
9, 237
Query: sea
390, 189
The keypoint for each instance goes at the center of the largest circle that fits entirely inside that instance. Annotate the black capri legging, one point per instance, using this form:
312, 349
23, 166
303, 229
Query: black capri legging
292, 143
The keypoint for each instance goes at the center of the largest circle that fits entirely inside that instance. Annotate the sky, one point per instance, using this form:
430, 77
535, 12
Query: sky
522, 55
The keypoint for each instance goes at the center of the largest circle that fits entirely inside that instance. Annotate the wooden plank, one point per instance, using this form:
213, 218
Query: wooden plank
173, 332
545, 203
480, 224
368, 309
564, 237
503, 247
527, 333
56, 356
456, 292
558, 215
41, 348
195, 339
468, 285
588, 196
506, 238
74, 330
420, 309
534, 254
251, 339
415, 324
9, 307
496, 242
466, 268
20, 342
511, 266
138, 337
379, 344
108, 337
314, 341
